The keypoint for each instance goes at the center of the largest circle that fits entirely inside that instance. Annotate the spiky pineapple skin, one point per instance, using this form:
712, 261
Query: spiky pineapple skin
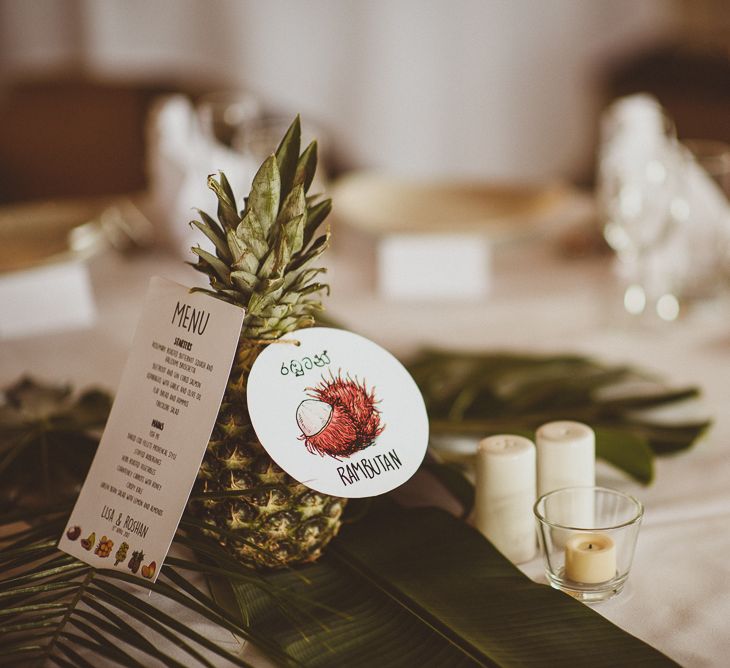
262, 255
280, 522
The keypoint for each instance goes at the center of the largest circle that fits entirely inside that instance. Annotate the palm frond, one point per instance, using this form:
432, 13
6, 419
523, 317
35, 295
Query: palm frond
483, 394
57, 610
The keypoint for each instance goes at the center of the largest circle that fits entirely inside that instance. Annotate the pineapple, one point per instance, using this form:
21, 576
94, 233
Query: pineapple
262, 262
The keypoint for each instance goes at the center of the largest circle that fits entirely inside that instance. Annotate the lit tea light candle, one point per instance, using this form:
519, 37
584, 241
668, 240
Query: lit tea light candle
590, 558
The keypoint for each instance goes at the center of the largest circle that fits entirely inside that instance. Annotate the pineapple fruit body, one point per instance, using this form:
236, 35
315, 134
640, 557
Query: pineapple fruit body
262, 262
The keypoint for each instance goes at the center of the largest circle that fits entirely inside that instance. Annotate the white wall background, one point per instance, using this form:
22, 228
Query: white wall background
489, 88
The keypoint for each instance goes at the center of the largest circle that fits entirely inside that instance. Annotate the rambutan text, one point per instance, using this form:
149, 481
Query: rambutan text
369, 467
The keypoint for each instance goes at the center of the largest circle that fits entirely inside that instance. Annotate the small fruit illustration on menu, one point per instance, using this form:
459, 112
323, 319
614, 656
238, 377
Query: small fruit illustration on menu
73, 533
88, 543
104, 548
339, 418
136, 561
121, 554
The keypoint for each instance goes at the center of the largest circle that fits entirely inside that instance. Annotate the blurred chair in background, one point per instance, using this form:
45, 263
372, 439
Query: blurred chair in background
689, 75
75, 137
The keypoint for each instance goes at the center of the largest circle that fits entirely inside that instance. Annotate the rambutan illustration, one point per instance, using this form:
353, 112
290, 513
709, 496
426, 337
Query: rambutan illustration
340, 419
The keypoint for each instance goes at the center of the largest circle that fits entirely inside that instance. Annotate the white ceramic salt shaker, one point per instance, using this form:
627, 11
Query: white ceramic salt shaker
505, 494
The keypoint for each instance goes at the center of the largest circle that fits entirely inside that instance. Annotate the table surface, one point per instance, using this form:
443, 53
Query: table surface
675, 598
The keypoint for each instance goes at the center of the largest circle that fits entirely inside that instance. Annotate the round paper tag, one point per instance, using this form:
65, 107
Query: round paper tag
338, 413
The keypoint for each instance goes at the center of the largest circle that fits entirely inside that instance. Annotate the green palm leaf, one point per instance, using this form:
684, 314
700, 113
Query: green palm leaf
417, 587
484, 394
55, 609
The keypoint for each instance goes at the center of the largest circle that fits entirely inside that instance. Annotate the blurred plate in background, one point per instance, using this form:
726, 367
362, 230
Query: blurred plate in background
381, 204
49, 232
426, 241
44, 280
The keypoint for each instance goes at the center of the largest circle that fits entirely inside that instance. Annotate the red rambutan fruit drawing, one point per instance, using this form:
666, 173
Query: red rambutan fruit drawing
340, 419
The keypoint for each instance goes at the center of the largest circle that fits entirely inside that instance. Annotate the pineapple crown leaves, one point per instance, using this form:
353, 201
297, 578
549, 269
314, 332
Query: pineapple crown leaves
262, 254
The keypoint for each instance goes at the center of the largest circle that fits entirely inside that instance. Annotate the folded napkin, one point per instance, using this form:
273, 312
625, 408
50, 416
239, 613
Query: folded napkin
46, 299
180, 157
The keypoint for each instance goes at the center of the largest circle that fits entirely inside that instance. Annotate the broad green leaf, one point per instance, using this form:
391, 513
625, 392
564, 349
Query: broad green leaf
398, 599
667, 439
626, 451
649, 400
489, 393
259, 301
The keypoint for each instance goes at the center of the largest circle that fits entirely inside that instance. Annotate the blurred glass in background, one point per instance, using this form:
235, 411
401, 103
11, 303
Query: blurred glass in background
665, 208
224, 114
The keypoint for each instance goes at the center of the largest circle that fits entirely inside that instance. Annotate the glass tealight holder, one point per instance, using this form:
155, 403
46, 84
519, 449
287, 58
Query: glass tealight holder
590, 560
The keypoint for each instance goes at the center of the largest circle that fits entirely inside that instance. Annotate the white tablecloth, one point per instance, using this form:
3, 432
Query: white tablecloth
677, 597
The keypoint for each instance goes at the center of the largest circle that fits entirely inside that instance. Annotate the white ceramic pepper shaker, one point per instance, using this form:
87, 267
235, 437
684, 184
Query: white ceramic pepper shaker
505, 494
566, 457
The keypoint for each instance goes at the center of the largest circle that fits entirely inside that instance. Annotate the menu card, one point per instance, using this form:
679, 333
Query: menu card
169, 396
